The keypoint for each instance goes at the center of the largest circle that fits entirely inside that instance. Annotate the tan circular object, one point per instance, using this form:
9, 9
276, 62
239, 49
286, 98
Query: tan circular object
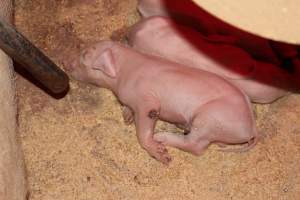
277, 19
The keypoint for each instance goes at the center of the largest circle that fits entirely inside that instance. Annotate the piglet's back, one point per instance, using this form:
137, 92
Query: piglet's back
167, 78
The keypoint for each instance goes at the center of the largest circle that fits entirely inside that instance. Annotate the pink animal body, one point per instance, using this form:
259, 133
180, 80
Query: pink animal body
151, 88
188, 13
262, 82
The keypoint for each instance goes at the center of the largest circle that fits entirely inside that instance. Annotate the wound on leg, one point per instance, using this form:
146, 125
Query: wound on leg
153, 114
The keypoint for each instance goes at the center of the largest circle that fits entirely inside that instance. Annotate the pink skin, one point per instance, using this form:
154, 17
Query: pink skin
189, 13
262, 82
152, 88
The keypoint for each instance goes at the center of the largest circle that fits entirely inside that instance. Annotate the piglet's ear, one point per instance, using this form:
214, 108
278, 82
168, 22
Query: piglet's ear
106, 63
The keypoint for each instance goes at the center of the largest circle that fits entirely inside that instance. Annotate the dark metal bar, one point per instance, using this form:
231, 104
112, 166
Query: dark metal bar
32, 59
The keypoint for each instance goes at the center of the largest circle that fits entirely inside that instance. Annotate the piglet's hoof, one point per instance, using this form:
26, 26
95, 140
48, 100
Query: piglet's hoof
159, 152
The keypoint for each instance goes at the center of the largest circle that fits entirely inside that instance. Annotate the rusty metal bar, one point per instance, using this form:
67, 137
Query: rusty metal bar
32, 59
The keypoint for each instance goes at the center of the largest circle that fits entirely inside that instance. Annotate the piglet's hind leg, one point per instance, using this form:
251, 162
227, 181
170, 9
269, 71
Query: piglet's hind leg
184, 142
199, 138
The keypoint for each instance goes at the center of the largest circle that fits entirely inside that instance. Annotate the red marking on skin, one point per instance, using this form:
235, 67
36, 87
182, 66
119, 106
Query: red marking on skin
153, 114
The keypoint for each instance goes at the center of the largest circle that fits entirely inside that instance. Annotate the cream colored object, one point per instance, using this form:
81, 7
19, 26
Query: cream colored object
274, 19
12, 175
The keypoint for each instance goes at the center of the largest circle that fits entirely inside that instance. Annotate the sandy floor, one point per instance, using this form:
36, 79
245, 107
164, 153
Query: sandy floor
78, 148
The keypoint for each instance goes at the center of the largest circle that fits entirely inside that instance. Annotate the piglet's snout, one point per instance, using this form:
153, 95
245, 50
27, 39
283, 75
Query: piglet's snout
71, 64
68, 67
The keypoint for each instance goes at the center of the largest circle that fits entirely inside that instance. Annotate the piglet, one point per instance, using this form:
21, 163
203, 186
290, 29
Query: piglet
262, 82
151, 88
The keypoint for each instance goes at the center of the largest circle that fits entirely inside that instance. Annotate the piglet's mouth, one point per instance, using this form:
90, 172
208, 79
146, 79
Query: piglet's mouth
68, 67
70, 64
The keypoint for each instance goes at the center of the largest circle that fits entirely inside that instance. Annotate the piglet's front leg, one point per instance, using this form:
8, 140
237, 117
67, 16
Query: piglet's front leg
145, 119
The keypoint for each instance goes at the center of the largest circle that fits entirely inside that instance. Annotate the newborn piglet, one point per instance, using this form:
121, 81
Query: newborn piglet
151, 88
